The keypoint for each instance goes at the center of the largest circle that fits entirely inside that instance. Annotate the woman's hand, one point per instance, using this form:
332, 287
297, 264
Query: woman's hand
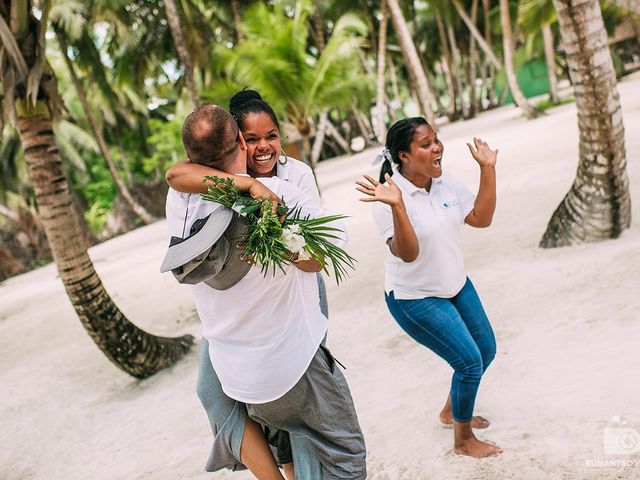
482, 153
258, 191
378, 192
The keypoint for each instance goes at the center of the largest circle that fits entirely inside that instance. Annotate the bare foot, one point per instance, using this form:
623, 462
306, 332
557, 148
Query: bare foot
446, 420
477, 448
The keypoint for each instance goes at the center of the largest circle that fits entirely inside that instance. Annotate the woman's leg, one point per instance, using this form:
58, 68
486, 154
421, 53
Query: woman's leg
436, 324
468, 304
473, 315
237, 439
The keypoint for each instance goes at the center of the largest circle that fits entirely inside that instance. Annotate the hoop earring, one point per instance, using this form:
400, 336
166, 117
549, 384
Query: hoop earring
282, 161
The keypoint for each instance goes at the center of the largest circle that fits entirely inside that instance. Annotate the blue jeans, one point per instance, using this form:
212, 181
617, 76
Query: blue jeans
456, 329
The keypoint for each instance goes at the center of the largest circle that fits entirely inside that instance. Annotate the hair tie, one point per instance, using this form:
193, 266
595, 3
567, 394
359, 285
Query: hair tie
384, 154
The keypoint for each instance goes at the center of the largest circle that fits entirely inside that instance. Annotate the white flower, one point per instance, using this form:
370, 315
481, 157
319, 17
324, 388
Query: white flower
292, 240
293, 228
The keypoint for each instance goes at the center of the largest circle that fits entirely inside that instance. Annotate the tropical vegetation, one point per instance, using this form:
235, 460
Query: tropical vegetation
94, 93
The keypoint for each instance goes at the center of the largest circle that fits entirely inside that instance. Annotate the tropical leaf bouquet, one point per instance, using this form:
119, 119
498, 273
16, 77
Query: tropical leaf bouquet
281, 235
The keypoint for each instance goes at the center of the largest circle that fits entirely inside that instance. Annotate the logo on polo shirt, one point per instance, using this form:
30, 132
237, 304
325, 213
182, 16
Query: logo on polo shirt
451, 203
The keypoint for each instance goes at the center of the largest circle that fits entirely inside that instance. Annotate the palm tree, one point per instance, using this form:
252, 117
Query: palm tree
275, 59
237, 18
474, 62
598, 206
33, 102
482, 41
413, 63
138, 209
508, 46
539, 15
381, 97
173, 18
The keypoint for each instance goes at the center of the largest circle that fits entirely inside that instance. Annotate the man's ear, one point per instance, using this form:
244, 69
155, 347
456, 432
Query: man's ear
243, 143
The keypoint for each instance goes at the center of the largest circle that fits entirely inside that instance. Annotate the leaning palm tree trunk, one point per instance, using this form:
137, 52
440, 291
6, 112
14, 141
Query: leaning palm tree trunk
138, 209
318, 141
381, 97
482, 43
181, 47
425, 97
507, 41
549, 55
133, 350
598, 206
28, 81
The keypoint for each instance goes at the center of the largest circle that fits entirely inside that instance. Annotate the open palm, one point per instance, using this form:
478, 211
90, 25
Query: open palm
379, 192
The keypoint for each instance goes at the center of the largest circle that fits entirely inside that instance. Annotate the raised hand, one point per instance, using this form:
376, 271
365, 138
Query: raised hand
482, 153
378, 192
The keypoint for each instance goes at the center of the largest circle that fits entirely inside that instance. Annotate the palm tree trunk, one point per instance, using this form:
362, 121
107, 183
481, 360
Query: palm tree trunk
318, 141
508, 46
457, 64
181, 48
425, 97
490, 68
598, 206
381, 100
237, 19
138, 209
335, 134
482, 43
549, 56
394, 88
317, 30
133, 350
447, 66
474, 99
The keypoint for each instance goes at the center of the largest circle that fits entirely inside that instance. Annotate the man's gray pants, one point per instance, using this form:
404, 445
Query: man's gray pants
319, 408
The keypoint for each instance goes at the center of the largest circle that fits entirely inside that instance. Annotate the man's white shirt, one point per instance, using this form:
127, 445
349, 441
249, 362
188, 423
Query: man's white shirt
264, 331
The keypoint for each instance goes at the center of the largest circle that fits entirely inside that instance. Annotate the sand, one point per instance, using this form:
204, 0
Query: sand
567, 323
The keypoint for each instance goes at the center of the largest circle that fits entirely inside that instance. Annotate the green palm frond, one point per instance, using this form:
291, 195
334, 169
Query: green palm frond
533, 14
70, 16
77, 136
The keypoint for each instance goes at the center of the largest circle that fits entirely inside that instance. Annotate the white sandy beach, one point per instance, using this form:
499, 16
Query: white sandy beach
567, 323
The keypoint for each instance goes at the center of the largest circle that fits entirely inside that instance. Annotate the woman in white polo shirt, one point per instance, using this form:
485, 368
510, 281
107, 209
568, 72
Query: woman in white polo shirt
419, 212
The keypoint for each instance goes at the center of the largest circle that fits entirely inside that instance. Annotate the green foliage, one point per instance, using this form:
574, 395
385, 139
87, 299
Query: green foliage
166, 143
96, 216
276, 60
268, 240
546, 104
99, 187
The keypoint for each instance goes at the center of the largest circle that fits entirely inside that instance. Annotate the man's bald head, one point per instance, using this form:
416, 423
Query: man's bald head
210, 135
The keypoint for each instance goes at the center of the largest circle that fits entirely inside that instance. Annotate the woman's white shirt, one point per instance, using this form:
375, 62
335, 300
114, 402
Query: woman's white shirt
301, 175
436, 217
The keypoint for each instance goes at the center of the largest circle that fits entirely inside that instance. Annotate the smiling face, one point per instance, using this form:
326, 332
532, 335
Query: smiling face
425, 155
263, 144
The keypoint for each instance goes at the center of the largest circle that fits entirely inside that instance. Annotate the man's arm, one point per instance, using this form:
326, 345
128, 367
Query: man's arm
188, 177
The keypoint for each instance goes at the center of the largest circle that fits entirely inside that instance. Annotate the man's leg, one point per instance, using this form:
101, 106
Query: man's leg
319, 408
238, 440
